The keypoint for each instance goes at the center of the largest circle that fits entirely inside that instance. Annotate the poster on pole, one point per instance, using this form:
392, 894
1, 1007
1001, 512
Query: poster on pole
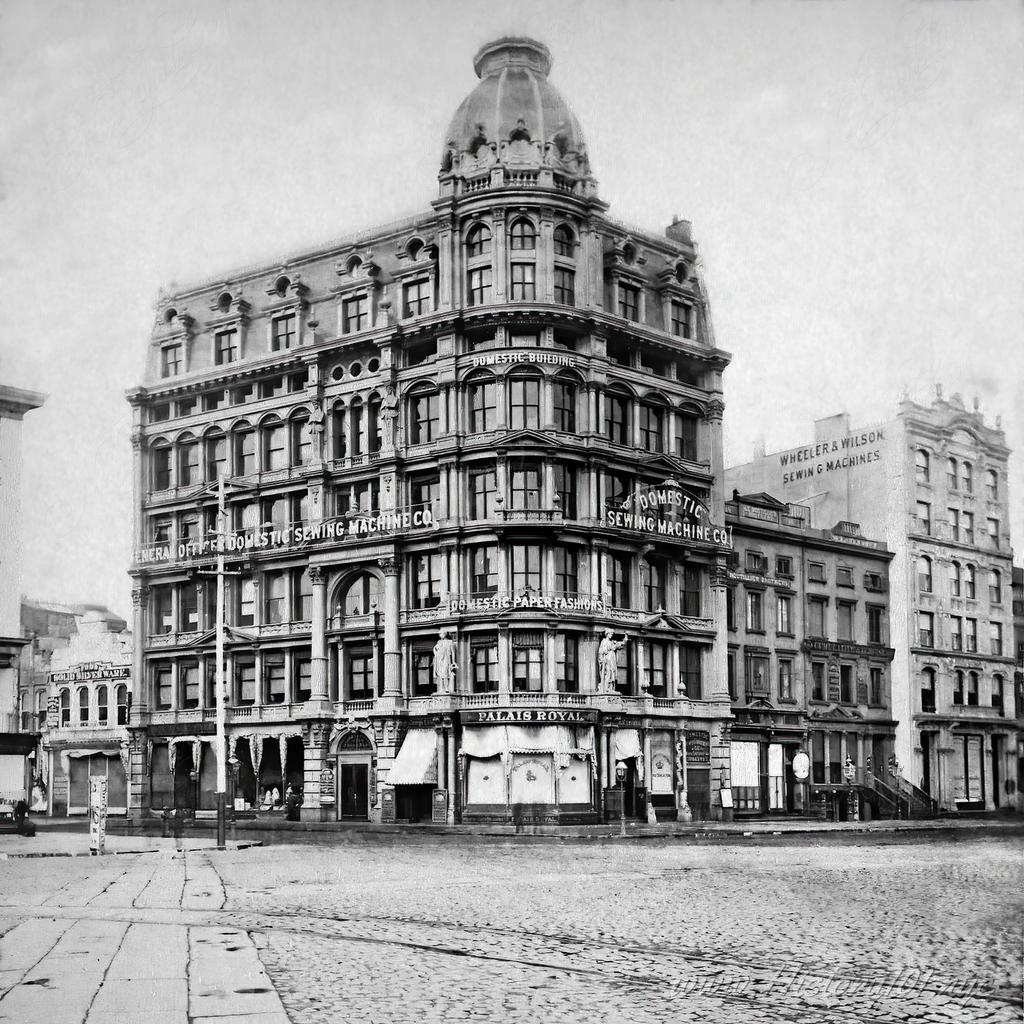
97, 814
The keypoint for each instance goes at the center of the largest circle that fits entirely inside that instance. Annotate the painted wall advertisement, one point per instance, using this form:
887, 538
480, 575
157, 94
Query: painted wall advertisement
848, 452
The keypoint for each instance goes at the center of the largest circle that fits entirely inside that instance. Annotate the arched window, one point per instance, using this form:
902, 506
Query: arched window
924, 574
522, 235
357, 427
374, 437
995, 587
423, 409
967, 477
245, 450
216, 455
687, 426
275, 448
652, 424
923, 466
102, 709
83, 705
970, 582
478, 241
928, 690
954, 579
618, 420
952, 474
161, 460
997, 692
992, 484
524, 402
958, 687
188, 461
121, 695
564, 242
360, 596
339, 430
483, 404
652, 581
300, 440
65, 708
972, 689
564, 395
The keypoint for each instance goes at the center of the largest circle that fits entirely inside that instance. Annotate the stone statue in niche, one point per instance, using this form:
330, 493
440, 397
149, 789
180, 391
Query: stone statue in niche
608, 660
444, 663
388, 417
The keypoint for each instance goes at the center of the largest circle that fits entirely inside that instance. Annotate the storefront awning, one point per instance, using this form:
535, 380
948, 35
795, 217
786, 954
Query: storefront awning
416, 763
505, 740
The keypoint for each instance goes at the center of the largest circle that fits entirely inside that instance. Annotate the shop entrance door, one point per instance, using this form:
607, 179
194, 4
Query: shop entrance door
353, 783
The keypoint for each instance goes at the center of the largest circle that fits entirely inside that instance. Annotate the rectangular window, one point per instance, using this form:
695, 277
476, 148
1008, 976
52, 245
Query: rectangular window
275, 447
755, 611
657, 669
170, 360
993, 533
680, 322
163, 618
730, 608
815, 617
816, 572
163, 689
483, 406
730, 673
245, 683
566, 570
565, 406
844, 576
925, 629
756, 562
846, 684
523, 287
995, 642
784, 567
362, 673
651, 420
216, 457
564, 480
524, 403
873, 581
566, 664
484, 562
691, 675
629, 302
527, 665
302, 596
302, 675
617, 425
785, 679
971, 637
817, 680
422, 672
968, 521
784, 614
273, 597
875, 619
161, 462
274, 685
526, 567
844, 620
565, 286
686, 436
483, 489
355, 314
954, 523
424, 493
818, 757
426, 578
246, 607
416, 298
924, 517
484, 667
245, 452
526, 487
188, 607
690, 591
875, 694
423, 418
618, 581
956, 640
479, 286
282, 333
225, 347
757, 674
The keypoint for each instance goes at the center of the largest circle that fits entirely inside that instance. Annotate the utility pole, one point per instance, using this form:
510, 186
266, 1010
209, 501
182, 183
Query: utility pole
222, 781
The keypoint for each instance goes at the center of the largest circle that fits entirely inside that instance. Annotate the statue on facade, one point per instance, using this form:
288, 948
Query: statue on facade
608, 660
444, 663
388, 418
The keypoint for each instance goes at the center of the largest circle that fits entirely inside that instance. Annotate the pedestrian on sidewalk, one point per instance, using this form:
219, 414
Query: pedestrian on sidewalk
292, 803
178, 825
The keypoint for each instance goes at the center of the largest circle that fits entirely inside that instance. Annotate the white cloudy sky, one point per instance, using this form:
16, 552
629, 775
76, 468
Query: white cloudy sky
852, 170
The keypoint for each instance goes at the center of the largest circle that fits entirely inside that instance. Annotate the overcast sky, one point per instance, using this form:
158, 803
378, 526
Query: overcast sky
852, 171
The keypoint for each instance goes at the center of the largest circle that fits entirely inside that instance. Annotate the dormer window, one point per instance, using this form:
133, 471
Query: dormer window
629, 302
225, 347
282, 332
170, 360
416, 298
355, 314
680, 323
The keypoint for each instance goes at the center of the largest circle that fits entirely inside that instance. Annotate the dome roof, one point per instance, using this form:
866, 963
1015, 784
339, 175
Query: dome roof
515, 110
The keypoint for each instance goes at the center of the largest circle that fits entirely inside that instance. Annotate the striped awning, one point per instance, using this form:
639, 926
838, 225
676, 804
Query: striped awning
416, 763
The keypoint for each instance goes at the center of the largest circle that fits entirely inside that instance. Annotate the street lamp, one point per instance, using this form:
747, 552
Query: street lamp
620, 774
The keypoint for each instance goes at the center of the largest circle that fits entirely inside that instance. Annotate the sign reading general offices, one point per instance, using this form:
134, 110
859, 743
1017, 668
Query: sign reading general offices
244, 542
666, 510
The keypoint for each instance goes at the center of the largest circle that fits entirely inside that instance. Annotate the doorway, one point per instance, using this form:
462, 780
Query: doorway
997, 776
353, 782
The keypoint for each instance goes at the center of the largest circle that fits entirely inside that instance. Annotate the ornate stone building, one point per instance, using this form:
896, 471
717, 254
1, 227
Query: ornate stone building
475, 516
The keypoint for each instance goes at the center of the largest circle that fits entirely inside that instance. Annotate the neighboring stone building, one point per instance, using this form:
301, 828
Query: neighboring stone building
933, 483
461, 448
809, 662
15, 745
1018, 675
87, 728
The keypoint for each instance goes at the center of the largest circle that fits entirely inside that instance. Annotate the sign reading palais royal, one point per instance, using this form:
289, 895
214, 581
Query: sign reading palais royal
667, 510
529, 716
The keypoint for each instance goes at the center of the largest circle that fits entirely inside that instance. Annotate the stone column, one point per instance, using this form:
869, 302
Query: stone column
652, 818
504, 659
392, 653
318, 703
451, 776
140, 685
719, 689
499, 267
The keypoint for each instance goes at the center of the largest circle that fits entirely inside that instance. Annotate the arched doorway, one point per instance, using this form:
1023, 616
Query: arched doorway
355, 758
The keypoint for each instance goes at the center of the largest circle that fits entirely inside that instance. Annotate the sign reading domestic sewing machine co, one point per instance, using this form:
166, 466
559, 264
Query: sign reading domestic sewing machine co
529, 716
667, 510
242, 542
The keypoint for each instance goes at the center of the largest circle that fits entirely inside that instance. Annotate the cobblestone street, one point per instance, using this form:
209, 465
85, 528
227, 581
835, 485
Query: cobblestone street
414, 929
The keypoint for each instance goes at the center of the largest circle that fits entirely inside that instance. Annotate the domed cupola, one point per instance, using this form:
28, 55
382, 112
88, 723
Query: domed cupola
514, 128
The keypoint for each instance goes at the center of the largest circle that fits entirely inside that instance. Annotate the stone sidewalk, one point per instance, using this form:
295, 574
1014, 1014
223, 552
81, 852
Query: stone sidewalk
131, 940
